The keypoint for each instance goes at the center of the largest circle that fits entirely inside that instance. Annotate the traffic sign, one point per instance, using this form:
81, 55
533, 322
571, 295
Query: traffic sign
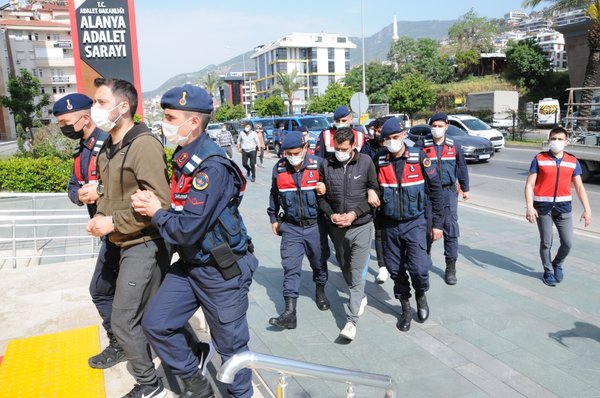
359, 103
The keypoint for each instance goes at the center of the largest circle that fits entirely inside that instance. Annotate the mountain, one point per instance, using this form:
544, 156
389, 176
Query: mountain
376, 48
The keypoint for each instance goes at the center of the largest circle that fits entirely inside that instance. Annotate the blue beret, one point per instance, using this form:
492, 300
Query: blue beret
392, 126
293, 139
437, 117
187, 98
72, 103
340, 112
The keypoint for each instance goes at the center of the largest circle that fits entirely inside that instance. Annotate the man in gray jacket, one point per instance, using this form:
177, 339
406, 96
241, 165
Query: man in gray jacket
352, 189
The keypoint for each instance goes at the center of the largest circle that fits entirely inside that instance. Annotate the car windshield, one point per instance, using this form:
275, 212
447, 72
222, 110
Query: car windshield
455, 132
475, 124
266, 123
315, 123
213, 126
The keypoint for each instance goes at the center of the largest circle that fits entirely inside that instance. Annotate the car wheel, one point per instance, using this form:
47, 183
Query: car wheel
585, 172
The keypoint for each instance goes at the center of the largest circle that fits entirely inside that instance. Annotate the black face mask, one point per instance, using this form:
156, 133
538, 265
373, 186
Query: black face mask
70, 132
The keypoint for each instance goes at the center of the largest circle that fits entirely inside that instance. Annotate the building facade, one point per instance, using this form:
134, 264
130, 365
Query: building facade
319, 58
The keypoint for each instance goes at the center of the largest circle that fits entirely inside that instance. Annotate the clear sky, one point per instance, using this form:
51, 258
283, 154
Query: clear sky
177, 37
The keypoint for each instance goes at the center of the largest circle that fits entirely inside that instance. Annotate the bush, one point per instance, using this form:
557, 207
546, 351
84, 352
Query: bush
49, 174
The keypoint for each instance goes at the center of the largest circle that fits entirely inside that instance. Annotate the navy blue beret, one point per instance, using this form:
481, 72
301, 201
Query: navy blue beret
437, 117
340, 112
72, 103
187, 98
392, 126
293, 139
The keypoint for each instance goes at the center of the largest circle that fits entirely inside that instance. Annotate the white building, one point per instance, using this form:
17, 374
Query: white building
553, 44
534, 24
31, 40
319, 58
515, 16
501, 41
570, 17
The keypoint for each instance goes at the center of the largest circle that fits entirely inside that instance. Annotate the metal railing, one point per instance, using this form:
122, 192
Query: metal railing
285, 367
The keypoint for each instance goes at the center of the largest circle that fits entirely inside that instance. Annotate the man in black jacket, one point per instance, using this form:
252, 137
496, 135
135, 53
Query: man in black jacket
352, 188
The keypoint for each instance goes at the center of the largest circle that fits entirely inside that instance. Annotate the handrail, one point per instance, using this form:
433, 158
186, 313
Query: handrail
255, 360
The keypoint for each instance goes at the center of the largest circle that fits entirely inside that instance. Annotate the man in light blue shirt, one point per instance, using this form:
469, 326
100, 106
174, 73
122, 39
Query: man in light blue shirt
247, 144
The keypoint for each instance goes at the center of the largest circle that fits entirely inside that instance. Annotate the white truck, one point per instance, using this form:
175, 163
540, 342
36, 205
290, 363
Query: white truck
504, 105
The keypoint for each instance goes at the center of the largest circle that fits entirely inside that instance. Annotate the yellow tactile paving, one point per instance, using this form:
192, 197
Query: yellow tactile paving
52, 365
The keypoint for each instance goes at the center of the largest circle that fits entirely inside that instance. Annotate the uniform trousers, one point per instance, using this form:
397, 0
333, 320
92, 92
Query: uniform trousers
104, 280
405, 245
450, 226
296, 241
564, 225
224, 303
141, 271
352, 250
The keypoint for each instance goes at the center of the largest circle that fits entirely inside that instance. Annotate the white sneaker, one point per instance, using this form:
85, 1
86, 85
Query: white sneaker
382, 275
363, 305
349, 331
262, 165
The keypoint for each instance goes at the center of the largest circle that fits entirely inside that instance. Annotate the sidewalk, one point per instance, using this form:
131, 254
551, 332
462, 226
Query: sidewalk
500, 332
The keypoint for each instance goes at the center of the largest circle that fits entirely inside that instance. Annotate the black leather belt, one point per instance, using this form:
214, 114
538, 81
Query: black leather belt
449, 187
303, 223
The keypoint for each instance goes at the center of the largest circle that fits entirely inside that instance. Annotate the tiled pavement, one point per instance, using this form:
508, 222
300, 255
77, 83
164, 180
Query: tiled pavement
499, 332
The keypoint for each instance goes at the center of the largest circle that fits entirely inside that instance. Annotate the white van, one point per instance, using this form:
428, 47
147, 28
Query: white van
548, 112
476, 127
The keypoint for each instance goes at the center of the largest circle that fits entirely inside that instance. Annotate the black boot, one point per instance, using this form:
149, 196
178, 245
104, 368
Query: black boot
112, 355
403, 323
422, 308
321, 298
197, 386
450, 276
287, 319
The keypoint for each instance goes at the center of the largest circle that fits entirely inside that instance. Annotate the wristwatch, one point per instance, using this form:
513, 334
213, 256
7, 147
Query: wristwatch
100, 189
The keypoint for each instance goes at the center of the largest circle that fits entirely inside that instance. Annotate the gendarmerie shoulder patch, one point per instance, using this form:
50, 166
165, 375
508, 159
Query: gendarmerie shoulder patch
427, 162
200, 181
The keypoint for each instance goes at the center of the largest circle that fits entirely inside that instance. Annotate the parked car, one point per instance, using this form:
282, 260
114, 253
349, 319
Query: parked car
476, 127
267, 124
477, 149
213, 130
314, 123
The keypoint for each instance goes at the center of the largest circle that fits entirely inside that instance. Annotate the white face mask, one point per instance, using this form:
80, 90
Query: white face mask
393, 145
295, 160
437, 132
343, 156
101, 118
171, 133
557, 146
247, 128
340, 125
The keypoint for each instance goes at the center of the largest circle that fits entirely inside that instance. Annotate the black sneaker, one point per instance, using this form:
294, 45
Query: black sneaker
156, 390
204, 352
112, 355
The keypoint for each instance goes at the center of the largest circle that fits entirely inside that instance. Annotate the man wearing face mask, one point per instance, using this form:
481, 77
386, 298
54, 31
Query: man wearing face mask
451, 166
131, 158
403, 171
247, 144
225, 140
342, 117
372, 148
351, 192
216, 263
548, 199
73, 114
294, 190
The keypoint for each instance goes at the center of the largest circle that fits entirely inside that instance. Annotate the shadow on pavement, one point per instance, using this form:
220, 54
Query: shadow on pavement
581, 329
483, 258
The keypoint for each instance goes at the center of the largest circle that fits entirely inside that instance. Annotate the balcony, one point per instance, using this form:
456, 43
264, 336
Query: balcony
61, 79
63, 44
54, 62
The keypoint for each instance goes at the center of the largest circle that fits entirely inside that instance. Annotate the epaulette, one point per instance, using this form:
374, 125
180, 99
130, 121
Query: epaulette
449, 141
282, 166
427, 142
414, 154
383, 160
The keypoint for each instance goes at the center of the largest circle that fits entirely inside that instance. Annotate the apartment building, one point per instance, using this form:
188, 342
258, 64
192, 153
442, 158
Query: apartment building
319, 58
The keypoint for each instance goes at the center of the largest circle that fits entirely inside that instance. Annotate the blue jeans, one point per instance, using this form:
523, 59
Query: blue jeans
564, 225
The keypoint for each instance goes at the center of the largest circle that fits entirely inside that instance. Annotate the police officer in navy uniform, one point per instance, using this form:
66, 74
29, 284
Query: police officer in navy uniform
216, 263
342, 117
450, 163
403, 171
294, 190
73, 115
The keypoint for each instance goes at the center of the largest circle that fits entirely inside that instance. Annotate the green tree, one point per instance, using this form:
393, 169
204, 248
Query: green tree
527, 65
402, 51
379, 78
411, 94
211, 82
334, 96
24, 100
229, 112
421, 56
472, 32
592, 70
288, 83
269, 106
466, 62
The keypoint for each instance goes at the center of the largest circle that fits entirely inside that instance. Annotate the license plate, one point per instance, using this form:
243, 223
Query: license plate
485, 156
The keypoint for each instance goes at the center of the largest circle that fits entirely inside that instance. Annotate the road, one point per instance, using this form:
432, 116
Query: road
498, 185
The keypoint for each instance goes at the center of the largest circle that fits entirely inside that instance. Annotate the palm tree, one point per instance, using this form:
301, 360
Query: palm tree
210, 82
592, 70
288, 83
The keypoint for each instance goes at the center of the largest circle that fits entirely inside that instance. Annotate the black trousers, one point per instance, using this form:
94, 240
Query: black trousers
249, 157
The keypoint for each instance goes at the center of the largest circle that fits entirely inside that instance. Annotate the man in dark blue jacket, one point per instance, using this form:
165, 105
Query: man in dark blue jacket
73, 115
293, 190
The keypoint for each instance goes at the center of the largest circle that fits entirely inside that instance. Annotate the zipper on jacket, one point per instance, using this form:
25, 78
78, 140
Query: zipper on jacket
556, 183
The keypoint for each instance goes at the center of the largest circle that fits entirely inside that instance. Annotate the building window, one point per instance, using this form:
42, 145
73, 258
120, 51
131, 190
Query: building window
281, 67
347, 66
313, 67
281, 53
331, 67
314, 81
303, 53
341, 39
53, 90
330, 53
319, 39
331, 79
347, 53
33, 37
42, 90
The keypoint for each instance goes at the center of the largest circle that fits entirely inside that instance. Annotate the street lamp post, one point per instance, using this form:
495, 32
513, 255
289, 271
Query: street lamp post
244, 84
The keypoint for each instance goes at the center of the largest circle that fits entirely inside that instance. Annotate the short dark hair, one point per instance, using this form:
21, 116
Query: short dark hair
557, 130
122, 90
377, 123
344, 134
